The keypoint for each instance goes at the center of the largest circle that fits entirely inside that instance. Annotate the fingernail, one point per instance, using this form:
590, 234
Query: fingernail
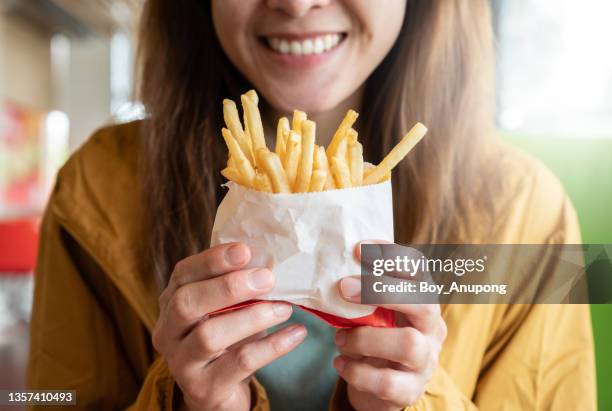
350, 287
339, 364
235, 255
296, 334
261, 279
281, 309
340, 338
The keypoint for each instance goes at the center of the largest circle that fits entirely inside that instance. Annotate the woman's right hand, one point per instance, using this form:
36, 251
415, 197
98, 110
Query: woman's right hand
212, 359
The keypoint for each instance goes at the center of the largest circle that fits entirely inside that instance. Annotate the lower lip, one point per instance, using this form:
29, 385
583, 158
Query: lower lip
304, 60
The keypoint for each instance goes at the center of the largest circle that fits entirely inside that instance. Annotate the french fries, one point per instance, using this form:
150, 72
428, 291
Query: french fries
282, 130
298, 164
232, 121
304, 173
317, 183
292, 157
243, 165
341, 172
253, 121
396, 154
322, 164
272, 166
355, 154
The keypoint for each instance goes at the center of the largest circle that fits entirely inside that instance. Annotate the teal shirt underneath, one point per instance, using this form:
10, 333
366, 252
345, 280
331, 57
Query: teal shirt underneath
305, 378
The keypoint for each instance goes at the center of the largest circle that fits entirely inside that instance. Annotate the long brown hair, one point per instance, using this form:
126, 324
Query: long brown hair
439, 72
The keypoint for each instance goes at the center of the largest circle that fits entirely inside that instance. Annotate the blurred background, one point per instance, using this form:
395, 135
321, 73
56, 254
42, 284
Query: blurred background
66, 68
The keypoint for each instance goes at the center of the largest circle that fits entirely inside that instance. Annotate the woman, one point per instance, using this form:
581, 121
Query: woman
125, 279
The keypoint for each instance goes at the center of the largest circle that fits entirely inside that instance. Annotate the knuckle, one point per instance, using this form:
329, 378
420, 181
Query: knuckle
207, 338
162, 299
262, 313
246, 360
278, 346
410, 335
357, 340
180, 304
157, 338
429, 310
409, 342
387, 387
231, 286
351, 374
413, 394
177, 272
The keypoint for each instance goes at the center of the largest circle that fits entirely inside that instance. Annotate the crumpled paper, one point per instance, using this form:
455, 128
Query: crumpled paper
307, 239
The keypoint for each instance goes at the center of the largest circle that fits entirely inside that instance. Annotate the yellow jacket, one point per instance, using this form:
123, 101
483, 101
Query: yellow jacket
94, 308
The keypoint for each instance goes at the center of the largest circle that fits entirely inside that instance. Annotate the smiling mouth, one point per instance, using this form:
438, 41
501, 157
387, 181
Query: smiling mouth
316, 44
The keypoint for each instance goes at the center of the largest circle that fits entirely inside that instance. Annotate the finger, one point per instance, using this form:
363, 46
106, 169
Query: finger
402, 388
211, 337
424, 317
191, 302
406, 346
239, 364
210, 263
373, 250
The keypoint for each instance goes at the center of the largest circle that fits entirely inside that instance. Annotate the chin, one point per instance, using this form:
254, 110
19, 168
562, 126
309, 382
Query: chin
309, 98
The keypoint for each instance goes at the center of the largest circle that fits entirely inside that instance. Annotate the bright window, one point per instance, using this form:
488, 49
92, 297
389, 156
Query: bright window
555, 67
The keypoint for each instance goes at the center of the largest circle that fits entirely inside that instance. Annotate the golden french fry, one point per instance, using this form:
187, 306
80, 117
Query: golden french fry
271, 164
243, 165
351, 135
304, 173
341, 172
386, 177
233, 174
356, 163
317, 182
347, 122
230, 161
298, 118
281, 130
342, 149
261, 182
292, 157
321, 163
232, 121
253, 120
396, 154
252, 94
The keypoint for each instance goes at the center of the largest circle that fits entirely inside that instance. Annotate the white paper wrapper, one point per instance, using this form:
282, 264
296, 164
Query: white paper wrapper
307, 239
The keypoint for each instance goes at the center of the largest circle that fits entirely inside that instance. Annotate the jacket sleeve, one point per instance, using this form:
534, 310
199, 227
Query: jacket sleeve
73, 341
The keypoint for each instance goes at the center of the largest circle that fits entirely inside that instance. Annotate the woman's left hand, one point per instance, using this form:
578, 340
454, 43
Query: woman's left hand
388, 368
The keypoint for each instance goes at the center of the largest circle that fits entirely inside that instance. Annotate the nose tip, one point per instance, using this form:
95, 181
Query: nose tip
296, 8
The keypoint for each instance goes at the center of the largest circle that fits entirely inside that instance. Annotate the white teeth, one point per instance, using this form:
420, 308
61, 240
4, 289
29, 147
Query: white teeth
283, 46
307, 47
315, 45
319, 46
296, 48
328, 41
